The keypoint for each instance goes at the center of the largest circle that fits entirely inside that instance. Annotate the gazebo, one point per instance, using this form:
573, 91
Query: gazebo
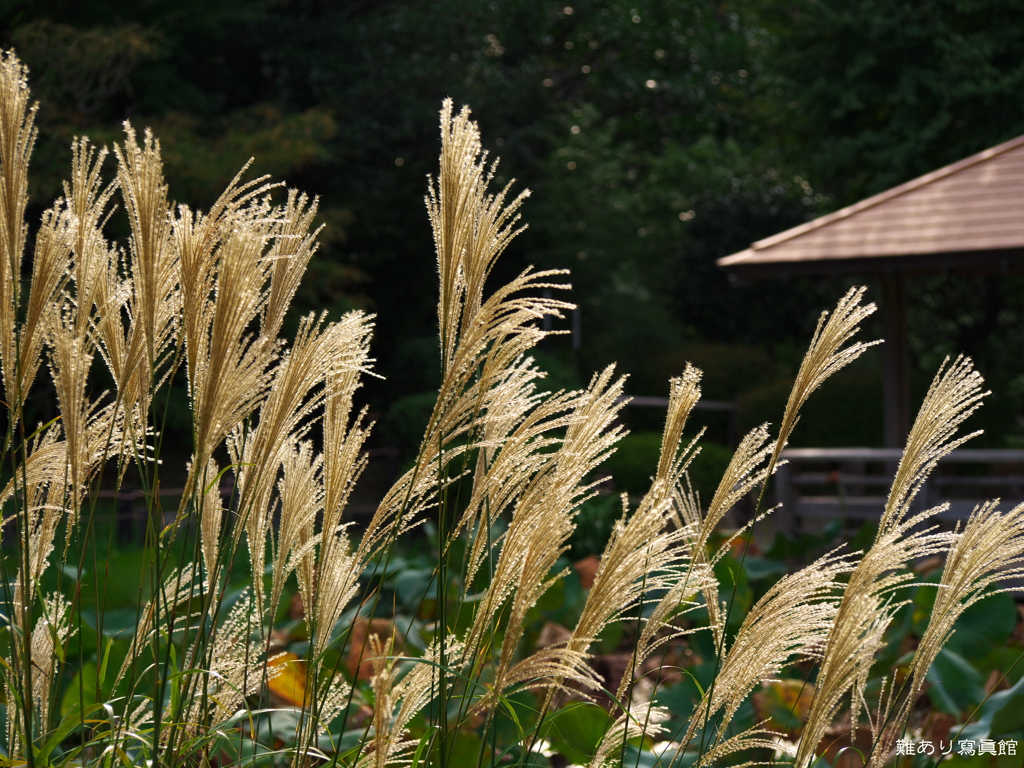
966, 217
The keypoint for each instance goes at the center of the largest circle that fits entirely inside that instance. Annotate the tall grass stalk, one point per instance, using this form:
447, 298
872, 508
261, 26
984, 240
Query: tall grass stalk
501, 474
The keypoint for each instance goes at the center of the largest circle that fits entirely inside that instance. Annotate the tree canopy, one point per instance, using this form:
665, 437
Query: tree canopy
655, 136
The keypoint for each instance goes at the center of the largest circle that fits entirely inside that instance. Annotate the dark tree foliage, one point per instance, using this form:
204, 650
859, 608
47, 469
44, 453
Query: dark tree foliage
630, 124
876, 92
656, 137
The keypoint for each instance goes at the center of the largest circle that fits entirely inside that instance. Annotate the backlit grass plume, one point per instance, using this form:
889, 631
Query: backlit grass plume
825, 356
989, 550
263, 624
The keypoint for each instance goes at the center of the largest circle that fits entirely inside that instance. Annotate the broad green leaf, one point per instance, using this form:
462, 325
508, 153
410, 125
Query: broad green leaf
575, 732
763, 567
465, 750
955, 684
982, 627
643, 758
985, 624
1002, 714
81, 691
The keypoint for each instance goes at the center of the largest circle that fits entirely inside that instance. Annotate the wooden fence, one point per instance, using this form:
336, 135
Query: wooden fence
852, 483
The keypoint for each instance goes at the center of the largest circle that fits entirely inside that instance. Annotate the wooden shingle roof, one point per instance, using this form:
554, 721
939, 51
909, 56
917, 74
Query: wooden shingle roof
968, 215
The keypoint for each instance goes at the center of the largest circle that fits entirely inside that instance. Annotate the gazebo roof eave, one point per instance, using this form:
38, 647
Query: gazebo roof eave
908, 188
755, 265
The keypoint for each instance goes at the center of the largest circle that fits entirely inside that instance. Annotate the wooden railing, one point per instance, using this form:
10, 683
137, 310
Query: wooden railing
852, 484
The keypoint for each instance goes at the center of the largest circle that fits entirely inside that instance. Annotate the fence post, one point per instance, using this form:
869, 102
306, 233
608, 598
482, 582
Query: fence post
784, 495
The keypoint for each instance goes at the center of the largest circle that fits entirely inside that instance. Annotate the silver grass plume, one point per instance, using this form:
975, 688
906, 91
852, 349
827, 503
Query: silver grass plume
659, 628
333, 702
482, 338
293, 247
856, 636
755, 459
51, 255
867, 605
684, 392
398, 699
70, 360
153, 264
17, 137
753, 738
542, 522
989, 549
643, 721
328, 586
519, 427
237, 667
388, 739
89, 202
162, 612
73, 337
113, 296
301, 498
643, 554
690, 519
825, 356
954, 395
40, 481
471, 227
786, 626
52, 630
343, 434
229, 369
505, 330
200, 240
328, 577
546, 669
292, 406
747, 469
473, 389
211, 518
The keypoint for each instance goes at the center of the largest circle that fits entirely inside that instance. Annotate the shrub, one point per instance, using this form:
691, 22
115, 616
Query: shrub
636, 459
827, 420
193, 676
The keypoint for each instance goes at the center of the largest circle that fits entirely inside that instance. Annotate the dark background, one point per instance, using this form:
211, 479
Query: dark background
656, 137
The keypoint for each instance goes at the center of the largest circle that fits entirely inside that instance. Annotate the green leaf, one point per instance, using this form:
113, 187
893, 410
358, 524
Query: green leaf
575, 732
81, 691
985, 624
1002, 714
956, 685
69, 722
515, 717
763, 567
118, 623
279, 724
682, 697
465, 749
412, 585
642, 758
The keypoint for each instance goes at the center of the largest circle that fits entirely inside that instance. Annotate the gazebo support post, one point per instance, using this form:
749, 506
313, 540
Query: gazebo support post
896, 389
